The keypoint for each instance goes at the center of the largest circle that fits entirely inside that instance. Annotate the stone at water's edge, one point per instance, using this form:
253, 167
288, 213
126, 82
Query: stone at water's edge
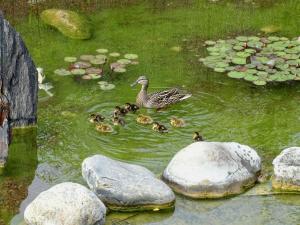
66, 204
287, 170
213, 169
69, 23
126, 187
19, 76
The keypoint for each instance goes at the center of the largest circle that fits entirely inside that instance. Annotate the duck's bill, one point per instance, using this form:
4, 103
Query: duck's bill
133, 84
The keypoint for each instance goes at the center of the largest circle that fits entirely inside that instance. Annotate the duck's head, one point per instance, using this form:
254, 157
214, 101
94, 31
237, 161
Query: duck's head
155, 125
197, 136
143, 80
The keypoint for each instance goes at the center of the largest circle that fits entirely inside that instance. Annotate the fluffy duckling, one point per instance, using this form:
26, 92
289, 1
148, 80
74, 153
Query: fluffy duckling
143, 119
131, 107
159, 128
104, 128
119, 111
96, 118
176, 122
197, 137
118, 121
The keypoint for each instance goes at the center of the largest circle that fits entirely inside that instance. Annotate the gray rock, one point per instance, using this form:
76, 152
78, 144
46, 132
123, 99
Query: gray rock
19, 76
66, 204
213, 169
287, 170
126, 187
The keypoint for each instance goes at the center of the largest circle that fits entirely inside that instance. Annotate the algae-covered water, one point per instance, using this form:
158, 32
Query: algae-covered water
222, 109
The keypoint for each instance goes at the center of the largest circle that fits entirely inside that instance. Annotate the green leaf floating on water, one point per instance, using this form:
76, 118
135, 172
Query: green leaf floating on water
62, 72
70, 59
124, 61
255, 59
78, 71
131, 56
102, 50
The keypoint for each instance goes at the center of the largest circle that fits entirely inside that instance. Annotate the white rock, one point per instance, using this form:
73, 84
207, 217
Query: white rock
66, 204
126, 187
287, 170
213, 169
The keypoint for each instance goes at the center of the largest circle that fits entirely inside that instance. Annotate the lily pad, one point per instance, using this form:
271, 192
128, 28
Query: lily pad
134, 62
259, 82
94, 76
62, 72
94, 70
81, 65
124, 61
114, 54
220, 69
98, 61
120, 70
107, 87
210, 42
235, 74
239, 61
87, 57
86, 77
70, 59
130, 56
78, 71
102, 50
101, 56
250, 77
102, 82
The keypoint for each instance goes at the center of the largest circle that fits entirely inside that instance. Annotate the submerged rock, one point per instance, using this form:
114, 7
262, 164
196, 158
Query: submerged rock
68, 22
66, 204
213, 169
126, 187
287, 170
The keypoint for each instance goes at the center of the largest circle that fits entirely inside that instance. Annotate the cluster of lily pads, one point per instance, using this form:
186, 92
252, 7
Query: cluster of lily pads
256, 59
91, 67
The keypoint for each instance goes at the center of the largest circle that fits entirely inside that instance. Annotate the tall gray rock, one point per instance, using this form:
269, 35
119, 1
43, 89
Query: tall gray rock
18, 85
19, 76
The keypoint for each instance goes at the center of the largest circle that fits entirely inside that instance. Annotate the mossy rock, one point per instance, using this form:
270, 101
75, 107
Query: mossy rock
69, 23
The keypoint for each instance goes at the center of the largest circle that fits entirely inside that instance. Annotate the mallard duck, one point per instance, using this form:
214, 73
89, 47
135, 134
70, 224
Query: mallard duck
96, 118
197, 137
104, 128
119, 111
118, 121
159, 128
159, 99
143, 119
131, 107
175, 122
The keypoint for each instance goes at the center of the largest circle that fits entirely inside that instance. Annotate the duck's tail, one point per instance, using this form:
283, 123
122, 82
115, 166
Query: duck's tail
185, 97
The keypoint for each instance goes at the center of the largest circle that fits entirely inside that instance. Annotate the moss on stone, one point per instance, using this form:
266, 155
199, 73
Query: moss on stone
69, 23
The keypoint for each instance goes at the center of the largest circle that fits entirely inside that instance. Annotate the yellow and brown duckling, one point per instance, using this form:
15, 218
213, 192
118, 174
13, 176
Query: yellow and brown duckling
176, 122
96, 118
159, 128
197, 137
104, 128
119, 111
143, 119
118, 121
131, 107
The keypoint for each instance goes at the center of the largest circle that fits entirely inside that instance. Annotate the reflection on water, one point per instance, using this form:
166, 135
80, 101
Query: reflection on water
18, 173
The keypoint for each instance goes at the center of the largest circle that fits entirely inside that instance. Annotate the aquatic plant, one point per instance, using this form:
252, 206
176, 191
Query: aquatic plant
259, 60
104, 64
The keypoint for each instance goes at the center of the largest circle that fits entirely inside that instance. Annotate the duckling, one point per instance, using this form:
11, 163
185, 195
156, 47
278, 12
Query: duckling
175, 122
118, 121
197, 137
119, 111
96, 118
104, 128
159, 128
131, 107
143, 119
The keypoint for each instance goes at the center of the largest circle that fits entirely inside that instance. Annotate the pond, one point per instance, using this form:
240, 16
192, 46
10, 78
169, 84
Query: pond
168, 37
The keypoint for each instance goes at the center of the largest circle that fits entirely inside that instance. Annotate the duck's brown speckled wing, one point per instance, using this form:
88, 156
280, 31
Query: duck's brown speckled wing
164, 98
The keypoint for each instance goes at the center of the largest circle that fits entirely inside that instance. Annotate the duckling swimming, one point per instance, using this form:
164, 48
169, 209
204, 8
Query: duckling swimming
118, 121
131, 107
143, 119
96, 118
159, 128
119, 111
197, 137
104, 128
176, 122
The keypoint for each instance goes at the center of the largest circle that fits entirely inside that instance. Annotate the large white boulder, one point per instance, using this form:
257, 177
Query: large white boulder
126, 187
66, 204
287, 170
213, 169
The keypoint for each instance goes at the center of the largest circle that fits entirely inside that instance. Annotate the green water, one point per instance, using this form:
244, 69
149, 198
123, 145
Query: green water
222, 109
